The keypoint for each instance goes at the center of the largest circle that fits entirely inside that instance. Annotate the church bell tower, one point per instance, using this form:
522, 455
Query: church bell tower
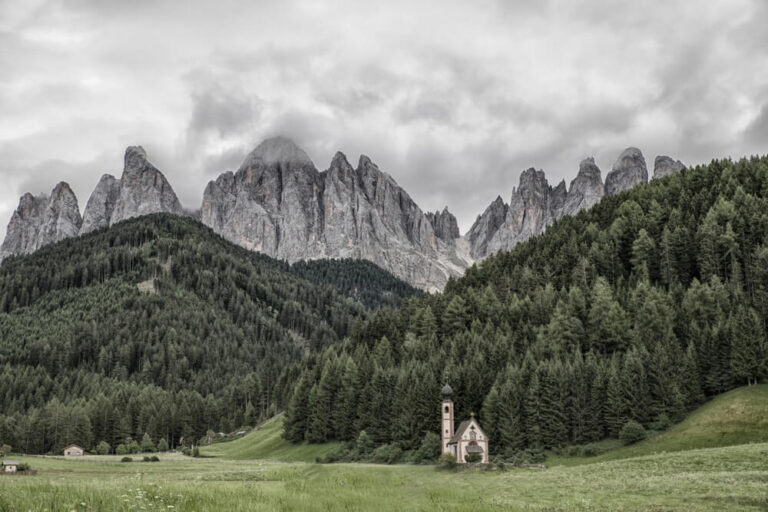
446, 431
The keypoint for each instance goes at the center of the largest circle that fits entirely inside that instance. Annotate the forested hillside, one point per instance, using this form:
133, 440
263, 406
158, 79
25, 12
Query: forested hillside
159, 326
640, 307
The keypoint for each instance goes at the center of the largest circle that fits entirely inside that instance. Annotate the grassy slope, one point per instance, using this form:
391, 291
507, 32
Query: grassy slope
732, 478
739, 416
267, 443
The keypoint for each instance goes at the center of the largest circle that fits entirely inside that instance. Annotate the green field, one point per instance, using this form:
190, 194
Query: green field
267, 443
690, 476
733, 478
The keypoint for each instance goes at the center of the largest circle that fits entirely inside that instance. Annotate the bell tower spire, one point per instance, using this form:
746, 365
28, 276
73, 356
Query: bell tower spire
446, 431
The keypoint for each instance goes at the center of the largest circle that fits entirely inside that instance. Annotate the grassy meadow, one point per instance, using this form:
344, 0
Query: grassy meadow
676, 470
731, 478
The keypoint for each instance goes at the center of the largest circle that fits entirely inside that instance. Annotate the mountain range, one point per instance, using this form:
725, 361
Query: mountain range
280, 204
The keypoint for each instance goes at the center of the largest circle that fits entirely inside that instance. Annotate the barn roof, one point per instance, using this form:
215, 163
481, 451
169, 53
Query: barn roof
74, 446
10, 463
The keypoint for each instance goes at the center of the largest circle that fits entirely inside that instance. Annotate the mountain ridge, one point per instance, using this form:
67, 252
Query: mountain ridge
279, 203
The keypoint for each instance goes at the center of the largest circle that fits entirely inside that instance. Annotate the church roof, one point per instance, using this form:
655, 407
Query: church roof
460, 431
463, 427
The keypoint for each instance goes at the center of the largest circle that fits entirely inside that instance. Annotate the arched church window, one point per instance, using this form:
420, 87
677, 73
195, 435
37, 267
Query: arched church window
446, 408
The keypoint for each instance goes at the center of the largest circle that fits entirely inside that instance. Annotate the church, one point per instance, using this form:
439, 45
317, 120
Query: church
468, 439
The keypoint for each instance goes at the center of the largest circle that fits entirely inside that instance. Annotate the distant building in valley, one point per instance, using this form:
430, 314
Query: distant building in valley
73, 451
468, 440
10, 466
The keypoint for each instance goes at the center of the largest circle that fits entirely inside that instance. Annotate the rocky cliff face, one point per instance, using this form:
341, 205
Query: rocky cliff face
280, 204
664, 166
628, 171
444, 225
42, 220
532, 207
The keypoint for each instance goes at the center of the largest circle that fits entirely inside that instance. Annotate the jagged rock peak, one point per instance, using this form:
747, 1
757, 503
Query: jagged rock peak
41, 220
589, 170
664, 166
340, 167
278, 150
143, 189
444, 224
340, 159
61, 218
628, 171
135, 157
101, 204
557, 199
485, 227
365, 162
530, 178
586, 189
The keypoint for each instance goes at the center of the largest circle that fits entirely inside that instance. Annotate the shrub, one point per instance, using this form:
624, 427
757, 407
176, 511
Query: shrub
121, 449
133, 447
590, 450
364, 444
195, 451
529, 456
429, 449
631, 432
162, 445
573, 451
23, 466
186, 451
662, 423
381, 454
102, 448
472, 458
447, 461
154, 458
146, 443
126, 459
395, 454
5, 450
147, 458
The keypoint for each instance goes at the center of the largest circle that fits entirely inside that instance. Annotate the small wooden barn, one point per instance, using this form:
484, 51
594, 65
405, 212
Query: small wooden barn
74, 450
10, 466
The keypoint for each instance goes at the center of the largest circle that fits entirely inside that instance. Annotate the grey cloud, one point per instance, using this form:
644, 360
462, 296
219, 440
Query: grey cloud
757, 131
452, 99
350, 100
223, 112
424, 108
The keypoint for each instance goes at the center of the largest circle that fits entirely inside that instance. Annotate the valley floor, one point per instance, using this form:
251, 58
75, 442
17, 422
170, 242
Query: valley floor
731, 478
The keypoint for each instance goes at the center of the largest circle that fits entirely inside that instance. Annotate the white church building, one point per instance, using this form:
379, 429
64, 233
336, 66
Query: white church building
468, 439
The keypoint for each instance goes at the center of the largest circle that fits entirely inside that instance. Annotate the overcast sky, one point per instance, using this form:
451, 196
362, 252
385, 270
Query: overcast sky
453, 99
